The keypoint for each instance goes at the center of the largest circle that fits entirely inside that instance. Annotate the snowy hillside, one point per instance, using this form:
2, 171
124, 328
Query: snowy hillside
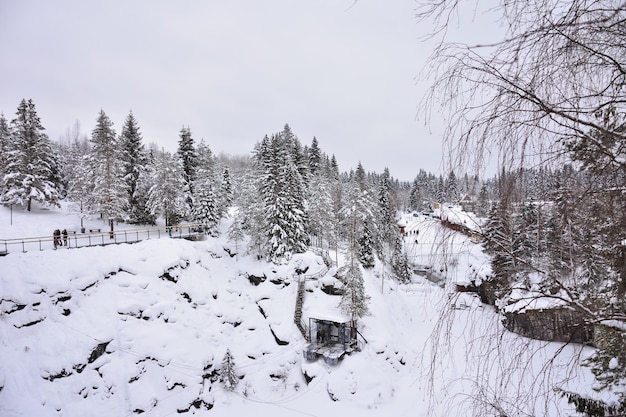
126, 329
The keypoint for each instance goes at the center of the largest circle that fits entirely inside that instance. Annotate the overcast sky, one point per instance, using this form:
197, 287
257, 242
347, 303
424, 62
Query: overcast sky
233, 71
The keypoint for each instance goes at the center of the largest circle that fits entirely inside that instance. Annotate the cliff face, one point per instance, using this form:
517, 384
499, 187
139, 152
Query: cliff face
559, 324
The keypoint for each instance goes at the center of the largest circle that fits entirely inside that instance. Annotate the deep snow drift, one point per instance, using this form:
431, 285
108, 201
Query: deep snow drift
139, 328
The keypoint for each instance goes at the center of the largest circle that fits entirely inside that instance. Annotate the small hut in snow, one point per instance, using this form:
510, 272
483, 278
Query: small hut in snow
331, 338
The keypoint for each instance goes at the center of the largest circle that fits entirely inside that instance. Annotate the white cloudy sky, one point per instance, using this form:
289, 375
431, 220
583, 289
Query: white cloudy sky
232, 71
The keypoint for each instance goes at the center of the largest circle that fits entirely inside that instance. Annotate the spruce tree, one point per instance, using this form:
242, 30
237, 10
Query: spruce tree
281, 189
76, 170
206, 210
452, 193
189, 160
5, 138
225, 192
133, 159
31, 169
415, 196
315, 157
228, 372
387, 227
236, 232
499, 243
400, 261
483, 205
320, 210
366, 246
166, 196
107, 187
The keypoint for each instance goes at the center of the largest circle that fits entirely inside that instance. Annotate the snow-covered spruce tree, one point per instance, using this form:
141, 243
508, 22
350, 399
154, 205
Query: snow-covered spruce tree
320, 210
337, 196
499, 243
206, 208
366, 245
386, 211
76, 170
108, 190
225, 192
483, 204
357, 214
385, 219
440, 191
452, 192
236, 232
315, 157
142, 193
205, 164
133, 159
30, 164
400, 261
281, 190
228, 372
354, 301
249, 209
5, 137
189, 160
415, 196
166, 196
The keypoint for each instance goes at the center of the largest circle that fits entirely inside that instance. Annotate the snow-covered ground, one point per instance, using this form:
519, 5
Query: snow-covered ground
139, 328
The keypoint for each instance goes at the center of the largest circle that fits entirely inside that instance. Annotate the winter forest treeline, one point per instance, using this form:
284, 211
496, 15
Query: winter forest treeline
556, 233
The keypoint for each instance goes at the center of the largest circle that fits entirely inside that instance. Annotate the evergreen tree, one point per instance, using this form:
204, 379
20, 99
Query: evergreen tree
5, 138
483, 205
366, 245
108, 189
206, 210
205, 162
281, 189
386, 214
357, 213
189, 160
400, 262
415, 196
236, 232
31, 166
354, 301
499, 243
320, 210
226, 192
440, 191
166, 196
251, 212
142, 193
315, 157
228, 372
133, 159
452, 193
76, 171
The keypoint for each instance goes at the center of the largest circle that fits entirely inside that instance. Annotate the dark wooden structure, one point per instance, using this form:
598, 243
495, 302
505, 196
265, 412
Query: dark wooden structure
330, 339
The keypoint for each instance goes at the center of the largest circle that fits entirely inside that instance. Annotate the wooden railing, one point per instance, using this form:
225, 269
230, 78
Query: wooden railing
79, 240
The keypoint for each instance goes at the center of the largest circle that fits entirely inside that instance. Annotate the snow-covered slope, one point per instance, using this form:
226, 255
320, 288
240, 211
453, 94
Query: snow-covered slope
130, 329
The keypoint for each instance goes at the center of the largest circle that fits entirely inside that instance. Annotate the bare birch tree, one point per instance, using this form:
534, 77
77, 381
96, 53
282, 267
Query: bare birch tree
550, 91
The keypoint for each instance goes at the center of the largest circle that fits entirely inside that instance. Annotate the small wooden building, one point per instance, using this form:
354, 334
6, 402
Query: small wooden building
330, 338
467, 202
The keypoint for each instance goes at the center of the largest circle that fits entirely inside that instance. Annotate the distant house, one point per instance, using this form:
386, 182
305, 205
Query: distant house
402, 226
467, 202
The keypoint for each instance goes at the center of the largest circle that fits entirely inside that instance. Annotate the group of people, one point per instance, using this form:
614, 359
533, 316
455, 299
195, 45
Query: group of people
59, 238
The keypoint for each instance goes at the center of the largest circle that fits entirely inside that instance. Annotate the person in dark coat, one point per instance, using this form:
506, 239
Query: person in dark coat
56, 237
64, 237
